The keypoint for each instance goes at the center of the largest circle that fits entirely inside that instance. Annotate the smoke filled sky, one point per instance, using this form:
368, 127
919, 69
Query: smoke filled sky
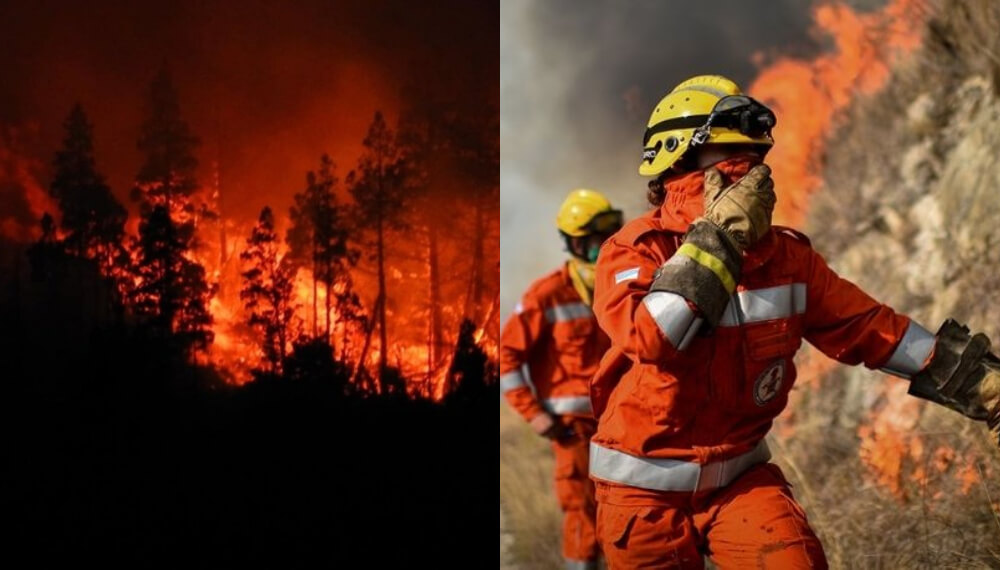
267, 86
577, 83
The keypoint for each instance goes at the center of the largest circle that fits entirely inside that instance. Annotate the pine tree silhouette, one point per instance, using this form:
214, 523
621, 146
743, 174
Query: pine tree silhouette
377, 187
172, 292
267, 291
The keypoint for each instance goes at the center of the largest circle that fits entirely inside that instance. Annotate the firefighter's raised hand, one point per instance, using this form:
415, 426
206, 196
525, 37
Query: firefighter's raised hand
742, 209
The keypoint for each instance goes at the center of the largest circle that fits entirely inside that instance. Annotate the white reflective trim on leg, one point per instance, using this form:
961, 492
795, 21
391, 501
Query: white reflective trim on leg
672, 315
512, 381
913, 350
581, 564
770, 303
671, 474
569, 405
568, 312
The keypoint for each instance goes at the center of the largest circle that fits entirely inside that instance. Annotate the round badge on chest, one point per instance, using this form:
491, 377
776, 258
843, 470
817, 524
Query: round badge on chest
768, 384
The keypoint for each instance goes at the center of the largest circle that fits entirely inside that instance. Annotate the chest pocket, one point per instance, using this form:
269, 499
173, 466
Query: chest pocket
574, 335
576, 352
771, 340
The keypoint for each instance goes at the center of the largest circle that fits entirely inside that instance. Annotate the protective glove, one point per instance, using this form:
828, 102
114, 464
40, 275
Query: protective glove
989, 395
962, 375
548, 426
743, 209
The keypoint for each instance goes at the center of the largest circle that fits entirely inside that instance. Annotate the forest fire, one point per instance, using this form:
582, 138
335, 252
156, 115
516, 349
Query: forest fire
352, 268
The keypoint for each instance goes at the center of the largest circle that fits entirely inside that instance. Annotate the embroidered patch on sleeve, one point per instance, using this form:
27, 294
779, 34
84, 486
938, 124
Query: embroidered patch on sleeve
627, 275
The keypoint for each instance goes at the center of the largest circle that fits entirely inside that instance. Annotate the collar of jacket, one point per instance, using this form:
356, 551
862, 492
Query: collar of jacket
685, 202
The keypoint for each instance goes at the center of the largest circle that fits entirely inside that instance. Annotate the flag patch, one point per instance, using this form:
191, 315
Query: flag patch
627, 275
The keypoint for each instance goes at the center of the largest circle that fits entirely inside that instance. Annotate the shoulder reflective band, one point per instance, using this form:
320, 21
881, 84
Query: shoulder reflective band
912, 352
568, 312
714, 264
671, 474
770, 303
673, 316
511, 381
569, 405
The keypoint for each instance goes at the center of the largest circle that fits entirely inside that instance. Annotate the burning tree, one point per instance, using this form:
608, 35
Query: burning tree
377, 187
92, 218
451, 172
167, 178
267, 290
172, 291
319, 237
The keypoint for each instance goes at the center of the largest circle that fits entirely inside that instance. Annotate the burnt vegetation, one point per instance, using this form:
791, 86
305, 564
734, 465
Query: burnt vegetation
123, 439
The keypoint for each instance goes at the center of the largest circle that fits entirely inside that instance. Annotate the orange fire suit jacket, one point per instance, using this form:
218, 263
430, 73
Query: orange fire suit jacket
662, 391
554, 337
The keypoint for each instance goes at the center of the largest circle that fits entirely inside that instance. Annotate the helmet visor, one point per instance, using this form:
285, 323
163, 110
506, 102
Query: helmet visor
606, 223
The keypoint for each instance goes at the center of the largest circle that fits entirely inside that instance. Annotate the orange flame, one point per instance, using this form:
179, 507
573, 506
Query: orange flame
807, 95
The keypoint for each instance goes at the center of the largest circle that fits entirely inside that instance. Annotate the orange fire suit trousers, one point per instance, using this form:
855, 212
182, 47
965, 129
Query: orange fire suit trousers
753, 523
575, 491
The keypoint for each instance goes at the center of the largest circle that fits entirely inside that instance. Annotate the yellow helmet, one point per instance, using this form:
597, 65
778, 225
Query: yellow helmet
584, 212
707, 109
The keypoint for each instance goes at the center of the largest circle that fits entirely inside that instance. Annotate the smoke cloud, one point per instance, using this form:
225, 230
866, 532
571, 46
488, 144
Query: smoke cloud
267, 86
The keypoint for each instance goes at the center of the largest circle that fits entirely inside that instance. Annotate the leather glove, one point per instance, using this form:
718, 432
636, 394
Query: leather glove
548, 426
742, 209
989, 395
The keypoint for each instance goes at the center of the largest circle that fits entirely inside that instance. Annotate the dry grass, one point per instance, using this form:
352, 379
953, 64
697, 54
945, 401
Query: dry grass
527, 496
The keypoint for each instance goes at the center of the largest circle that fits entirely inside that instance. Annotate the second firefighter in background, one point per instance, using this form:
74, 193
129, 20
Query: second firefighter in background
552, 343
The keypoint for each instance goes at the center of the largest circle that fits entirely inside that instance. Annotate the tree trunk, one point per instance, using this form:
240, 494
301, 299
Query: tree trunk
434, 279
368, 341
329, 285
475, 290
315, 279
383, 348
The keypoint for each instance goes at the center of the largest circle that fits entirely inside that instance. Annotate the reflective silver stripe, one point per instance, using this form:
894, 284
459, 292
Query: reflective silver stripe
581, 564
671, 474
912, 352
568, 405
568, 312
756, 305
511, 381
627, 275
672, 314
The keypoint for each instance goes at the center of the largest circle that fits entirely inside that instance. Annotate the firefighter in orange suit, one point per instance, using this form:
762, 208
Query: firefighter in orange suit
706, 304
553, 344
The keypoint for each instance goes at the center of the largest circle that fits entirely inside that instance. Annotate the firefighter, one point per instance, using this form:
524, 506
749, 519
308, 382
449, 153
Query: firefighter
553, 342
706, 303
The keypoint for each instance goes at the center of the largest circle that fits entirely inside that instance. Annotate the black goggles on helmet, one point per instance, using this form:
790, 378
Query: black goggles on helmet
606, 222
737, 112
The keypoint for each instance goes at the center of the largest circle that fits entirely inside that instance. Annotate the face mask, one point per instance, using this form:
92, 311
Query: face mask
592, 253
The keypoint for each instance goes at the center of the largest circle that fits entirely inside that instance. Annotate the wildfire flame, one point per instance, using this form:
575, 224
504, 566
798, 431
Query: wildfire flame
807, 96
